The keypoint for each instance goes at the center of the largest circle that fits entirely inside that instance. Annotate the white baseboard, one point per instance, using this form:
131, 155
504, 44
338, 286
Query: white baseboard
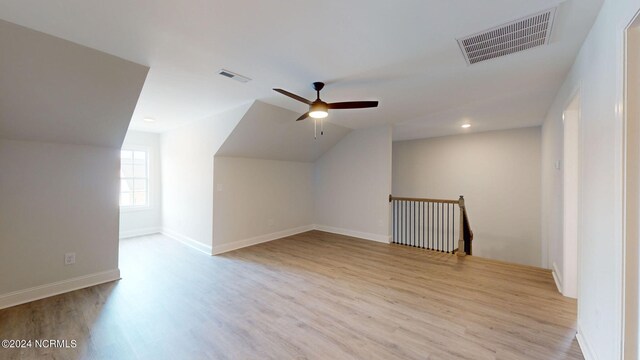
56, 288
139, 232
587, 351
219, 249
187, 241
556, 277
353, 233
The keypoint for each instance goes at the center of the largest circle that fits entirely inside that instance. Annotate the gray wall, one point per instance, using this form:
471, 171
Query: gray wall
255, 197
352, 183
498, 173
64, 112
187, 176
56, 198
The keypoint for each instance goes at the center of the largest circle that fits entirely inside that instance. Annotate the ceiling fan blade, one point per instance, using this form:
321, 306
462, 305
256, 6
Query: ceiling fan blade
293, 96
303, 116
353, 105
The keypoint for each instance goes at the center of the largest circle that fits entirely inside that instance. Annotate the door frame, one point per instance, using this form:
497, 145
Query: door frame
630, 191
571, 259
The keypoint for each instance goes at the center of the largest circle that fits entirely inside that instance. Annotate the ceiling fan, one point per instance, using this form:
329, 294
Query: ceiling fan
319, 109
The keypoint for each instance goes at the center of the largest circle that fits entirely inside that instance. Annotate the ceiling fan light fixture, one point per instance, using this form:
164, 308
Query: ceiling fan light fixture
319, 110
318, 114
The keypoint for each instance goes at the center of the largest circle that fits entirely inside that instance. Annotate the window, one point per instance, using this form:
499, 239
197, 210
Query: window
134, 178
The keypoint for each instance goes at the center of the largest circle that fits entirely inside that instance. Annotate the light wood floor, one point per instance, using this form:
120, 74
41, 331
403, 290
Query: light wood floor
313, 295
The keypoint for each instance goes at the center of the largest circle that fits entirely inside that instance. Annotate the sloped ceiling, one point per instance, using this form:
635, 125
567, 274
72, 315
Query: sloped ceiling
402, 53
53, 90
271, 132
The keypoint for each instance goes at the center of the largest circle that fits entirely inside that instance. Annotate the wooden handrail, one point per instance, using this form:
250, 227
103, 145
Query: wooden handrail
461, 240
466, 235
391, 198
467, 223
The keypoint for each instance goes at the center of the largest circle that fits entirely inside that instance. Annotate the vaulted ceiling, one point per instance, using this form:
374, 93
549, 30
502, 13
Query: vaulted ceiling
402, 53
53, 90
270, 132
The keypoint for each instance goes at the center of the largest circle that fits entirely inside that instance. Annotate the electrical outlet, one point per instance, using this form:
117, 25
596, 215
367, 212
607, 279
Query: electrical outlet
69, 258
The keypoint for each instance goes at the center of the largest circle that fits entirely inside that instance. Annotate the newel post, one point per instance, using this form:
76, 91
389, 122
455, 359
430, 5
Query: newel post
461, 238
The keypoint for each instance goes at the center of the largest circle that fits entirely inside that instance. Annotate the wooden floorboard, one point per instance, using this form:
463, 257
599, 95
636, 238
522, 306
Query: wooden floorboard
310, 296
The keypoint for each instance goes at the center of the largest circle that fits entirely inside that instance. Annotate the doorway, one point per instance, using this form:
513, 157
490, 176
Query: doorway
571, 196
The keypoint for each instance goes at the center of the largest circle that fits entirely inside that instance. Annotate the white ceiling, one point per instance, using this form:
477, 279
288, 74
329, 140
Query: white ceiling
271, 132
56, 91
402, 53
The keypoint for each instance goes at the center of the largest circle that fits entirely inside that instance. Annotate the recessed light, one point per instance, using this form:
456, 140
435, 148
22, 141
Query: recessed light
466, 126
149, 120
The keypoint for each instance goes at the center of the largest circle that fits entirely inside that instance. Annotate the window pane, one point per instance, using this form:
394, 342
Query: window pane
126, 199
126, 170
133, 172
126, 185
140, 198
139, 155
139, 171
140, 185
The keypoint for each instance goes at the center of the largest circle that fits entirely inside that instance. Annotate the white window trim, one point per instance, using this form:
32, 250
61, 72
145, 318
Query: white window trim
149, 206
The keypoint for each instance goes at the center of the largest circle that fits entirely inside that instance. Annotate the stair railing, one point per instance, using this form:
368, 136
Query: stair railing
431, 224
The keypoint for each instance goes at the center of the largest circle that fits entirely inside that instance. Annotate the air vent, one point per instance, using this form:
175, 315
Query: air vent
518, 35
234, 76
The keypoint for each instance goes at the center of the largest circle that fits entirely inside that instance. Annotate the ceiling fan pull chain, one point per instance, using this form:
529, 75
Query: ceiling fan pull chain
321, 126
315, 128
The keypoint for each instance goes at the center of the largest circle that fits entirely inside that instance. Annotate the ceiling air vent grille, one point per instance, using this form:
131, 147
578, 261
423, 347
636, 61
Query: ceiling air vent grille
234, 76
518, 35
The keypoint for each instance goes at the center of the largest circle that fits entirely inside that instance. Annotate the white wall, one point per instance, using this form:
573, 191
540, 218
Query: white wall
56, 198
498, 172
257, 200
598, 73
353, 183
136, 222
187, 176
